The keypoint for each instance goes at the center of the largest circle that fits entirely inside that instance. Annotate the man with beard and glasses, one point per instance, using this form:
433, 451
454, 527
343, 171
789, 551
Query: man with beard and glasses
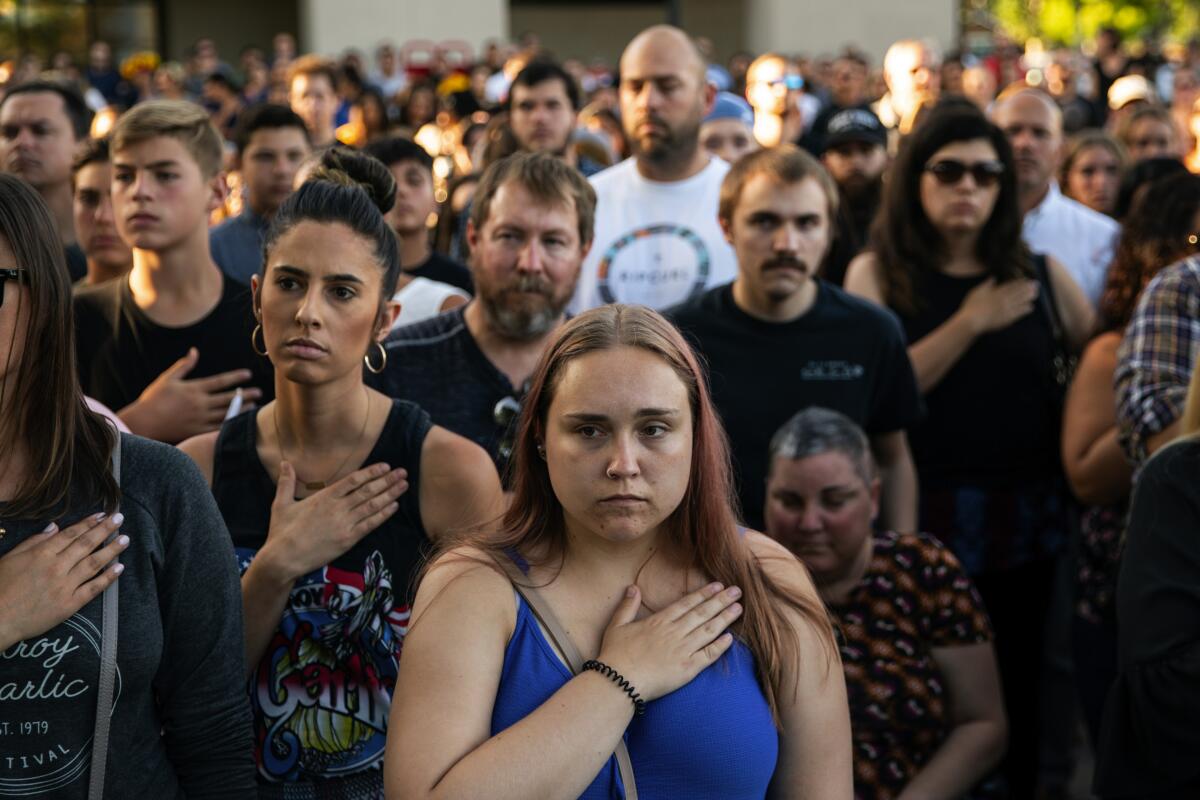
856, 156
530, 229
778, 339
1055, 225
657, 238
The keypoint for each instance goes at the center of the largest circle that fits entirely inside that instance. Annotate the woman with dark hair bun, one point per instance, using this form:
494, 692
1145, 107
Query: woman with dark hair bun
1160, 229
333, 492
155, 657
987, 323
711, 669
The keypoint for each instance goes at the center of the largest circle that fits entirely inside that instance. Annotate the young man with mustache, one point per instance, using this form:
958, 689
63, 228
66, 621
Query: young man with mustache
778, 339
530, 229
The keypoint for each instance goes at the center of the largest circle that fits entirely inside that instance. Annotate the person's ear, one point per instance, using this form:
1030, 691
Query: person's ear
876, 489
387, 318
219, 190
472, 235
255, 297
726, 228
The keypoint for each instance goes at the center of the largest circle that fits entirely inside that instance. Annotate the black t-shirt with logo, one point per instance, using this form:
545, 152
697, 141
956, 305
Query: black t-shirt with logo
844, 354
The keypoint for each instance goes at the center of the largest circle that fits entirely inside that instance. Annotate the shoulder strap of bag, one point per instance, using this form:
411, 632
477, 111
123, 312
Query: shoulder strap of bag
108, 668
1046, 297
563, 642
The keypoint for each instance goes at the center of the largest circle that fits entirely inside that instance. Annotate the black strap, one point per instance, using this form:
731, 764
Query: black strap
562, 642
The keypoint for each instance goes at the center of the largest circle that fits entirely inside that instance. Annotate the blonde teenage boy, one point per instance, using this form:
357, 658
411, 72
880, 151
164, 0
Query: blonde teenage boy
169, 345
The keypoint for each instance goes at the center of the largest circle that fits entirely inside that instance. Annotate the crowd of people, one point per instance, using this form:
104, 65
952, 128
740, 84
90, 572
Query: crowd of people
516, 428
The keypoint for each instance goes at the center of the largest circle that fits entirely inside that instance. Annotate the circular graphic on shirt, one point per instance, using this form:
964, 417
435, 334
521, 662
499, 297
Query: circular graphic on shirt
47, 703
658, 266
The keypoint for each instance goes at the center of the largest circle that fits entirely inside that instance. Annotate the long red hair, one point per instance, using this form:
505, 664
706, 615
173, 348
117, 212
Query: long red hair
704, 524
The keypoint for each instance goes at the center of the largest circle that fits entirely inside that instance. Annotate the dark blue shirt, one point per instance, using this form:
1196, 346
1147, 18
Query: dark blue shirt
237, 245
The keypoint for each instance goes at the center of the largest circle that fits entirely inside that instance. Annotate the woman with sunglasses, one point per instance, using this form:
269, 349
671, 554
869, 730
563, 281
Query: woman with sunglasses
333, 492
981, 314
178, 721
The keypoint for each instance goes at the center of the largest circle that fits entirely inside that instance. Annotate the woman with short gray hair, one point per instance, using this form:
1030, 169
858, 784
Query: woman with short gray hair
925, 703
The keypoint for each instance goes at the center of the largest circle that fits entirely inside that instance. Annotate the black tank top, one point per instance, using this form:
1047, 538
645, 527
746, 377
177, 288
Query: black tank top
322, 690
990, 422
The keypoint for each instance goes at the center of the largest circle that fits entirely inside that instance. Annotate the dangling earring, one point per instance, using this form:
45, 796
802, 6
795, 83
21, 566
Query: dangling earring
254, 341
541, 451
383, 364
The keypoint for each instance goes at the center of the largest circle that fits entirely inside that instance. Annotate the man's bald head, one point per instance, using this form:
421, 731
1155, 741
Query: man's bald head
664, 41
1032, 121
664, 95
1027, 98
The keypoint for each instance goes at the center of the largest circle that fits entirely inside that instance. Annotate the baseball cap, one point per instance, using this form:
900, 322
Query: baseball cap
854, 125
1128, 89
730, 106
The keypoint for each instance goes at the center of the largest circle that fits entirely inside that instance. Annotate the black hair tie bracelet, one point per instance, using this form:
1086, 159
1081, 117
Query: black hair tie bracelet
639, 705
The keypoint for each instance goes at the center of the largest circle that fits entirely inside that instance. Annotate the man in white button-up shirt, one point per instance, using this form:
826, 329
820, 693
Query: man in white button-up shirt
1082, 239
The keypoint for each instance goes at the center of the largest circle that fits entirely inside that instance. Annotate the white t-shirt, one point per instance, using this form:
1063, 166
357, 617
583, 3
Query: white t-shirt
656, 244
422, 298
1081, 239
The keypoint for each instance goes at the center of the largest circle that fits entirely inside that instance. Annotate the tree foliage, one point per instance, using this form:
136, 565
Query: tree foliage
1071, 22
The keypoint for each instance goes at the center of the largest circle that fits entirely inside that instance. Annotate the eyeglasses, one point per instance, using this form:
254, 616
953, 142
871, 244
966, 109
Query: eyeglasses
792, 82
950, 171
10, 275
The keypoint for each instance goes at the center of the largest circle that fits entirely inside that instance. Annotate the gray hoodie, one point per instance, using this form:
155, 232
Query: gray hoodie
181, 719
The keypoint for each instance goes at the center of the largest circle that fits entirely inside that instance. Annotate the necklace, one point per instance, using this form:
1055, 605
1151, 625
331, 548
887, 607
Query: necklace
316, 486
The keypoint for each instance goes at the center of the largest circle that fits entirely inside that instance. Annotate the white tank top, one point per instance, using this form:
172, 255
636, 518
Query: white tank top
422, 298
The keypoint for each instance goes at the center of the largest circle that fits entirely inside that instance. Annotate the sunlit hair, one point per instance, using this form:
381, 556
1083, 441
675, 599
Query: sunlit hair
1085, 140
1158, 231
549, 179
181, 120
1151, 112
906, 243
704, 525
815, 431
786, 165
69, 446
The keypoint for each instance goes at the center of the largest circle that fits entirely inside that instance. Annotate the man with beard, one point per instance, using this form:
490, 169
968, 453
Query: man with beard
41, 125
543, 100
778, 340
530, 229
1057, 226
856, 156
657, 238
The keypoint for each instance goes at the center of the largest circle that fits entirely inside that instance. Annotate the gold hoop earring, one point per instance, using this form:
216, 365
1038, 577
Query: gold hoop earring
254, 341
382, 366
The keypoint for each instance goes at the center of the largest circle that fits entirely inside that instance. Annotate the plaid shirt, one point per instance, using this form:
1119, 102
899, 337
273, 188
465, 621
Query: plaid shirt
1154, 363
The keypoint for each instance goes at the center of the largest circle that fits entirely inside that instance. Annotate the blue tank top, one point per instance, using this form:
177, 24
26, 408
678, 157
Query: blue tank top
713, 738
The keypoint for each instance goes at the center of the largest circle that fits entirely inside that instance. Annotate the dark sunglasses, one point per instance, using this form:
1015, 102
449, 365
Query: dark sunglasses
949, 171
10, 275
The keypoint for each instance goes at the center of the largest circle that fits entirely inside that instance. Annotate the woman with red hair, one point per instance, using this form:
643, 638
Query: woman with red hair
712, 670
